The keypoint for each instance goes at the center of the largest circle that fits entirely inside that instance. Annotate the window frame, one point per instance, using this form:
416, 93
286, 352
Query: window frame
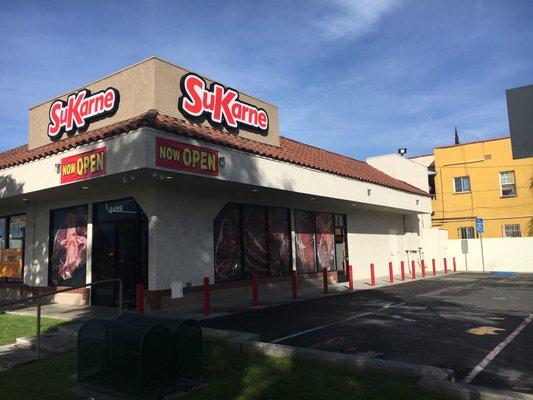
240, 233
7, 239
515, 193
504, 231
462, 186
466, 229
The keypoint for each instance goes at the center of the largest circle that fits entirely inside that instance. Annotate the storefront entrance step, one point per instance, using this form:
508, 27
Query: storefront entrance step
55, 342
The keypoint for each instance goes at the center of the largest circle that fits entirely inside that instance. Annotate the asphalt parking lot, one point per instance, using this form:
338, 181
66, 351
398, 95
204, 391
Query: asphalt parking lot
454, 321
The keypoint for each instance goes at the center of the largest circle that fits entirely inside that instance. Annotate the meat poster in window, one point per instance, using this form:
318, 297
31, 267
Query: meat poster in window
255, 241
325, 249
69, 246
279, 241
305, 241
228, 244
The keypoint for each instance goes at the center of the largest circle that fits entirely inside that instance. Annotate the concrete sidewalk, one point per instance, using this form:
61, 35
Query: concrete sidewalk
223, 302
237, 300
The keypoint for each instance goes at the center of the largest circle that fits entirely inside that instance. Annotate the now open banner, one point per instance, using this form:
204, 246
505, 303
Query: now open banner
83, 166
185, 157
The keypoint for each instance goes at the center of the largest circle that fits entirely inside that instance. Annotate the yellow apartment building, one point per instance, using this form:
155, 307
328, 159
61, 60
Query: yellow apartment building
481, 179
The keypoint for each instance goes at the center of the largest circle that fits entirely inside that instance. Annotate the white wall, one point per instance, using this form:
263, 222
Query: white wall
135, 150
184, 230
377, 237
402, 168
38, 223
501, 254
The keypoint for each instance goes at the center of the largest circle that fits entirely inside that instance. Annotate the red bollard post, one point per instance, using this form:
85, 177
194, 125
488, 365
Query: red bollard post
454, 265
434, 266
413, 270
325, 276
294, 286
391, 273
423, 269
139, 299
255, 290
207, 304
445, 265
372, 276
402, 267
350, 278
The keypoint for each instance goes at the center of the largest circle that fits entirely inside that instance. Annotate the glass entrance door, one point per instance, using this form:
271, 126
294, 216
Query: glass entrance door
119, 251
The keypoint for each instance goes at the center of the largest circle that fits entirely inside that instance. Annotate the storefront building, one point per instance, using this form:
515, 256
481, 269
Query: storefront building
155, 174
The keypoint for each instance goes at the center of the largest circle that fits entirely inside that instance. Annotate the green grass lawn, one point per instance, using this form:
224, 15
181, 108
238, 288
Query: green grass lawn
14, 326
229, 375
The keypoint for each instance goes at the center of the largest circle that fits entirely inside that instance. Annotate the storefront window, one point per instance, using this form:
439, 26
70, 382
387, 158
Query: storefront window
265, 236
255, 241
3, 233
279, 237
228, 244
341, 242
17, 226
325, 247
305, 241
68, 244
12, 230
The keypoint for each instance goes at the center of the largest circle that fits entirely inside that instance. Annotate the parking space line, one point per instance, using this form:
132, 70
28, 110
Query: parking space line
387, 306
478, 368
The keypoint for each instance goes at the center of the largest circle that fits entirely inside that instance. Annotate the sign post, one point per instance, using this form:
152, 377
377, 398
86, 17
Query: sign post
480, 230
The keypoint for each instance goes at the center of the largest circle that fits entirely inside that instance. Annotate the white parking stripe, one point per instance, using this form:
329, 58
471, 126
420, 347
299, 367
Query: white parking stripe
496, 350
390, 305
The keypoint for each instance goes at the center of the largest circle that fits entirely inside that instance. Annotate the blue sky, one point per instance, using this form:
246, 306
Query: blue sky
357, 77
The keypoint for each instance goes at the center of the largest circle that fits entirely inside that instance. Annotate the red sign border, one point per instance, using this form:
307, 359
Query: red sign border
172, 165
65, 160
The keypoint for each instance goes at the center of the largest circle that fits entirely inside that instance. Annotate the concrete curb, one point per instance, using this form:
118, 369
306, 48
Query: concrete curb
433, 380
247, 342
462, 391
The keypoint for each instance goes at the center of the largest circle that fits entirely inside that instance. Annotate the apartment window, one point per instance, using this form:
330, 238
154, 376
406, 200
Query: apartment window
462, 184
507, 183
511, 230
467, 232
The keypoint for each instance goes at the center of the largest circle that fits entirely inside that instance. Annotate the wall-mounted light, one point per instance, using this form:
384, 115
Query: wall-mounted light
168, 177
402, 151
222, 161
312, 198
254, 190
84, 187
417, 201
58, 168
25, 200
368, 192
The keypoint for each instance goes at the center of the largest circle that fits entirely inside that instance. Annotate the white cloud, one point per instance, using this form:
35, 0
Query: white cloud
354, 18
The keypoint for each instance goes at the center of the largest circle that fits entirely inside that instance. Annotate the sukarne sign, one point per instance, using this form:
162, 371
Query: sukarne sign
80, 109
83, 166
219, 104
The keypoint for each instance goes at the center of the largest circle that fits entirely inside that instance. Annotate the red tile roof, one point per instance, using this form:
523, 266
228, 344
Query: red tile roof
289, 150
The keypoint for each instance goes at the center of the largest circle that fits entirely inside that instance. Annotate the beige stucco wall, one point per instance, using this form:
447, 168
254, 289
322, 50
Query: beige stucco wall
135, 150
38, 224
150, 84
181, 210
185, 239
